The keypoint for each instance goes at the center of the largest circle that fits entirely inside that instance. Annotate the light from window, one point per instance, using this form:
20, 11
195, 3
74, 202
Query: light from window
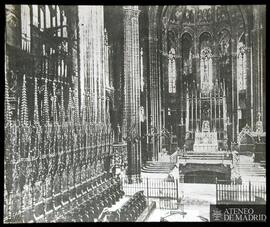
241, 67
26, 30
64, 25
48, 17
172, 71
42, 24
106, 58
206, 70
58, 20
188, 64
141, 62
35, 15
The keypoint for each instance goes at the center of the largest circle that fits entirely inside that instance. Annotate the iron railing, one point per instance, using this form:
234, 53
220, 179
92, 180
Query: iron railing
166, 192
246, 192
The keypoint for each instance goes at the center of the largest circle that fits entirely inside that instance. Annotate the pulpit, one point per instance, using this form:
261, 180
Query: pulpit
205, 141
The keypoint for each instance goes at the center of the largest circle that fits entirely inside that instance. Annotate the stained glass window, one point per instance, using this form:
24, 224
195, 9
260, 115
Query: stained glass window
35, 15
106, 58
25, 26
206, 68
48, 17
58, 19
187, 69
141, 65
64, 24
42, 24
172, 71
241, 67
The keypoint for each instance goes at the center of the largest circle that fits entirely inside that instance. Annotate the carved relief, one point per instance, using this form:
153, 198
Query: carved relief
224, 43
11, 17
221, 14
204, 15
188, 16
171, 39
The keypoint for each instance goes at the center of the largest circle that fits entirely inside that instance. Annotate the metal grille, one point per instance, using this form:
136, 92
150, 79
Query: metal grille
246, 192
164, 191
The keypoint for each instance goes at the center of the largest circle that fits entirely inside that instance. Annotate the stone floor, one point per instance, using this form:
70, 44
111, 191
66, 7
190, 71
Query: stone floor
198, 197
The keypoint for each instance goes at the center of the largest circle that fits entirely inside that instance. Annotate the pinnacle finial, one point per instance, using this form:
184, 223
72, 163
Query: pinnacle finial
70, 104
36, 117
46, 105
62, 105
7, 104
24, 111
54, 110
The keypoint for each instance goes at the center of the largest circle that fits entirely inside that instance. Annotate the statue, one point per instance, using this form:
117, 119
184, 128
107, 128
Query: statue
259, 125
204, 13
191, 16
118, 133
200, 16
186, 17
205, 126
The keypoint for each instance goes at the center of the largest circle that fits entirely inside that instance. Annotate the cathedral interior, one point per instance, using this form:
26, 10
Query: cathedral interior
95, 93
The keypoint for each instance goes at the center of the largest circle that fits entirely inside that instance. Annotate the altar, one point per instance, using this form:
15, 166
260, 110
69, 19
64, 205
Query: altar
205, 141
205, 163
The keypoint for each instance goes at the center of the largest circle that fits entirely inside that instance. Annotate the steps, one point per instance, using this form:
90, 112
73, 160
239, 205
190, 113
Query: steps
158, 167
250, 170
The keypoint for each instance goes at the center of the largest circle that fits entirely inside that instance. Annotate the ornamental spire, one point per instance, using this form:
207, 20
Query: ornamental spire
54, 110
46, 105
70, 106
62, 106
76, 112
7, 104
24, 112
36, 117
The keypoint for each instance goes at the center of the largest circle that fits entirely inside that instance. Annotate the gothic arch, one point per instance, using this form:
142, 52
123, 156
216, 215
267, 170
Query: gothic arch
188, 30
205, 40
226, 30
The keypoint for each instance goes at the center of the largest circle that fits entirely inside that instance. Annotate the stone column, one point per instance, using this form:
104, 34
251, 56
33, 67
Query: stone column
155, 91
234, 114
248, 76
132, 88
258, 63
91, 28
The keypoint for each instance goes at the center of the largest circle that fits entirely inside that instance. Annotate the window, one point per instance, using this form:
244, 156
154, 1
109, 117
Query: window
26, 29
35, 15
241, 67
206, 70
187, 69
53, 8
172, 71
64, 24
48, 17
106, 58
141, 64
42, 24
58, 20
